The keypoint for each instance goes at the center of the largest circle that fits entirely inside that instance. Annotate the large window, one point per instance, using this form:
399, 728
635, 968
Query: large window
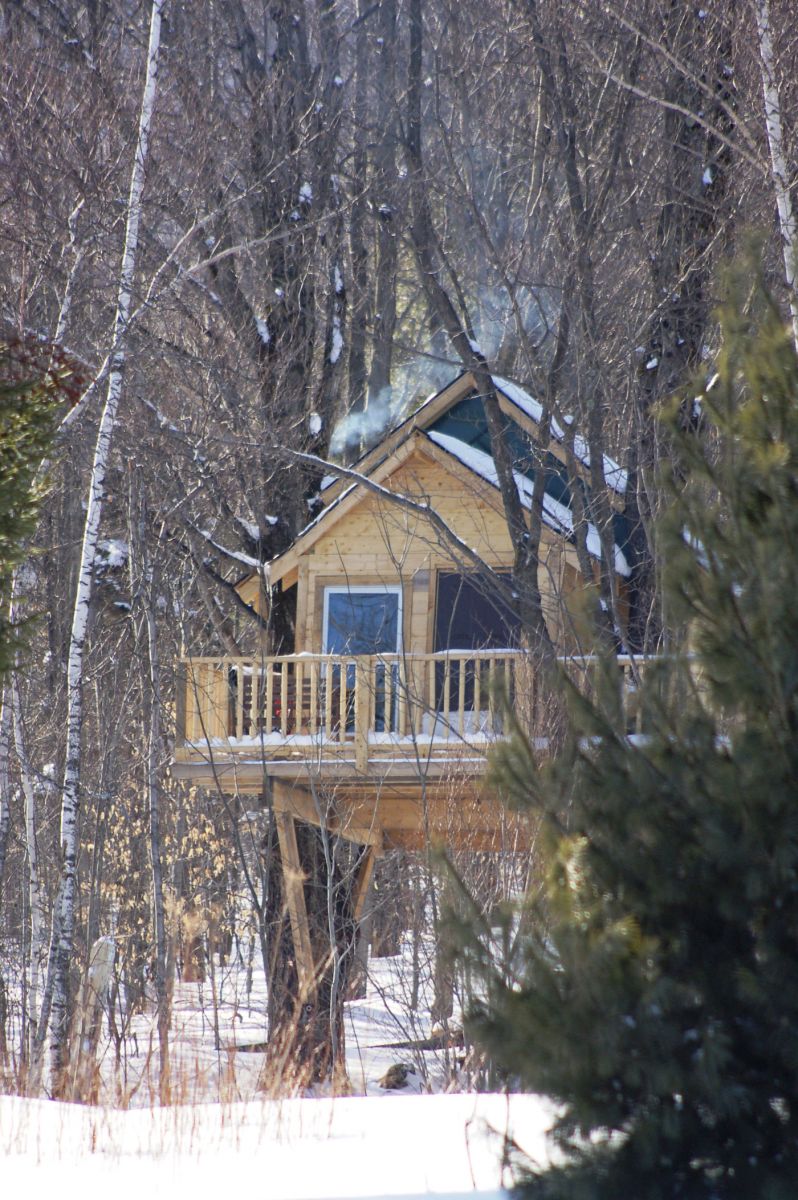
365, 620
362, 620
469, 617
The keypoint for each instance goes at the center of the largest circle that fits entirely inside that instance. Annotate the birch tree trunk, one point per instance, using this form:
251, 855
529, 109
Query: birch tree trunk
788, 226
5, 825
5, 783
38, 933
64, 913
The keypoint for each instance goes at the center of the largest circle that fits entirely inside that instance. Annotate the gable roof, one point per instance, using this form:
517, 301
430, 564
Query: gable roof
351, 493
456, 457
451, 428
522, 409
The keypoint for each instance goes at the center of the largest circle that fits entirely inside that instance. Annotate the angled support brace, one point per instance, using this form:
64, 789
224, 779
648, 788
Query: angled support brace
293, 878
362, 882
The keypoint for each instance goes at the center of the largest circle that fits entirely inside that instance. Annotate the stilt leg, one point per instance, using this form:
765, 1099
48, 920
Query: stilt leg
293, 876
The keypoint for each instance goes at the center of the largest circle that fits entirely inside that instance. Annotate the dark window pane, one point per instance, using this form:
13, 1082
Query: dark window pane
467, 617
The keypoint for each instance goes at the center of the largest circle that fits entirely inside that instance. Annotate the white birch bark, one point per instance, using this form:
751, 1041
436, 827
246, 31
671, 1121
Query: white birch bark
5, 782
788, 225
5, 827
38, 928
64, 914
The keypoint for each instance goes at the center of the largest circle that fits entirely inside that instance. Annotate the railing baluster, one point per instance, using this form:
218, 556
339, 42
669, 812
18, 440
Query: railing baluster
388, 722
492, 723
269, 669
372, 685
284, 698
206, 723
238, 730
314, 696
342, 713
328, 698
259, 715
191, 702
202, 701
461, 697
299, 701
221, 701
401, 709
447, 701
364, 695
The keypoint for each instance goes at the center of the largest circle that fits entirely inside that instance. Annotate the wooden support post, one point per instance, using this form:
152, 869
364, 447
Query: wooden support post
361, 886
362, 918
362, 710
293, 878
181, 708
220, 699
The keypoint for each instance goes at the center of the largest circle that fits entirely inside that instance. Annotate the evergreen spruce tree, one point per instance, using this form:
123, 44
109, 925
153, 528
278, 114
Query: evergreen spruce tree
36, 384
654, 992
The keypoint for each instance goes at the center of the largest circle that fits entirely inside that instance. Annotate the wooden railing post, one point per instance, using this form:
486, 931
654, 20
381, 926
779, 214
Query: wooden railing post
181, 688
220, 698
239, 716
362, 710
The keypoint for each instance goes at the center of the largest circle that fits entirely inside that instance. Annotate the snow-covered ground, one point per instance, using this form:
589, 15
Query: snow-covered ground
217, 1024
224, 1134
350, 1146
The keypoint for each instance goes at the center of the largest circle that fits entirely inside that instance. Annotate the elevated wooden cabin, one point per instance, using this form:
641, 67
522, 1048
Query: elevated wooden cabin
378, 725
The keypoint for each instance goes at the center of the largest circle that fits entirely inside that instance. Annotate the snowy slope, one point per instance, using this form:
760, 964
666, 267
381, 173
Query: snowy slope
354, 1146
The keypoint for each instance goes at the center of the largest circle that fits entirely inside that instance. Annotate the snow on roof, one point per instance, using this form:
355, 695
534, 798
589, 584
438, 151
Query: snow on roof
522, 399
556, 515
614, 474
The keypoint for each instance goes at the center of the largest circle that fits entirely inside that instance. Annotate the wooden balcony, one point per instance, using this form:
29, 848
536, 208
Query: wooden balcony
401, 717
363, 715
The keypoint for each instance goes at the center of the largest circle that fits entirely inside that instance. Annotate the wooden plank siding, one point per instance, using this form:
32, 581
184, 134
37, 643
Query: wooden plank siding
378, 542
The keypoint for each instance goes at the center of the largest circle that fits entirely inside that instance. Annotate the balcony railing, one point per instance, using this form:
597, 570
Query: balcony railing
363, 703
325, 698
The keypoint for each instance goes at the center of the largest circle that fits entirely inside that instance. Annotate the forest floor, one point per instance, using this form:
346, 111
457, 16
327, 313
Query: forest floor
427, 1138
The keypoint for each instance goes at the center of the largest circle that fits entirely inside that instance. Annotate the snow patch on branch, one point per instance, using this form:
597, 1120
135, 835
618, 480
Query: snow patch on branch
238, 556
250, 528
113, 553
337, 340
